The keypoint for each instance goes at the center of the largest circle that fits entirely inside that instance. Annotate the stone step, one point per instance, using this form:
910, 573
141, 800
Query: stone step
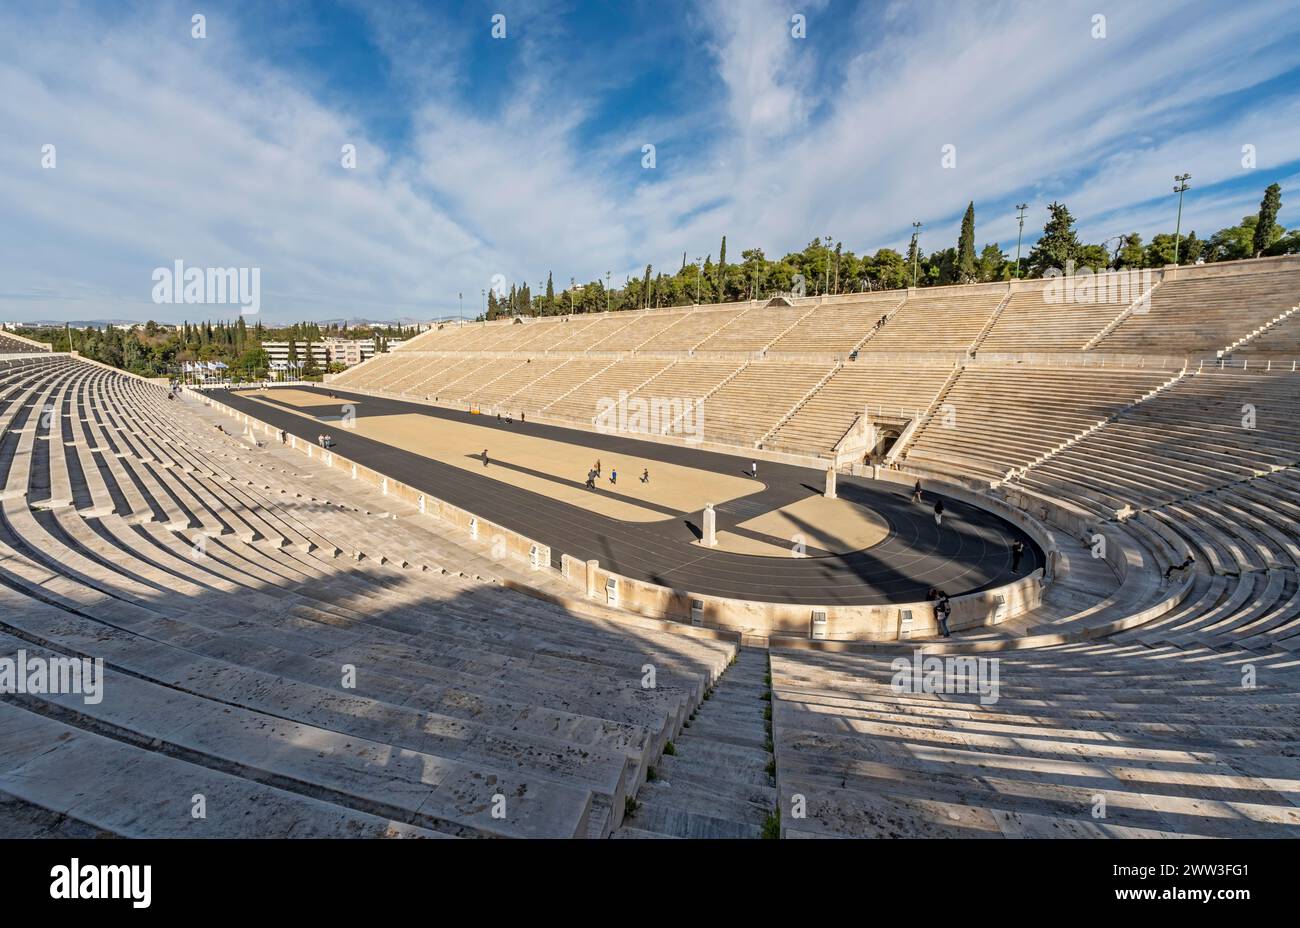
711, 776
711, 789
679, 823
750, 736
104, 786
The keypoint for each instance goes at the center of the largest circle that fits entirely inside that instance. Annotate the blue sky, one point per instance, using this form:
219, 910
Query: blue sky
479, 156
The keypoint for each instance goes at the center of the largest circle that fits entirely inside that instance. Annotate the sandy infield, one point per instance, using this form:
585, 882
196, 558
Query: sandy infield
538, 464
834, 525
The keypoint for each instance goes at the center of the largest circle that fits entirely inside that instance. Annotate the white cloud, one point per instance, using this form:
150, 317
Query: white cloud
171, 148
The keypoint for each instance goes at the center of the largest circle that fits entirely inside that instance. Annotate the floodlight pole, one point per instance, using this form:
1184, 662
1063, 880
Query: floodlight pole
826, 287
916, 250
1180, 188
1021, 234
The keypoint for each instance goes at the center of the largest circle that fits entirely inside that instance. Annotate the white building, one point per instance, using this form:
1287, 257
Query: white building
350, 351
278, 352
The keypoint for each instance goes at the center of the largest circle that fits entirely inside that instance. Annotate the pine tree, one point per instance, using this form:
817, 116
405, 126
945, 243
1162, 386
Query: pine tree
309, 367
1264, 226
1131, 253
966, 247
1059, 244
645, 289
549, 307
992, 263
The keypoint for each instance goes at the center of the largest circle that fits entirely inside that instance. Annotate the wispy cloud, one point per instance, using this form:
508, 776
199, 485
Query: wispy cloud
521, 156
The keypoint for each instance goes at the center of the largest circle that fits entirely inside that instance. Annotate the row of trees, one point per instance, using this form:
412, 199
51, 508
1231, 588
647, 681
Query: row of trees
825, 266
154, 350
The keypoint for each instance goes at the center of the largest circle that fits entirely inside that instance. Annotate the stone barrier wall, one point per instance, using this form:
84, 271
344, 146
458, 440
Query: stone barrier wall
889, 622
505, 544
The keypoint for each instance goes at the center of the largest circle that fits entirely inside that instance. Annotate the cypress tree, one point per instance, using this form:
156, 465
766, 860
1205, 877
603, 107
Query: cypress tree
1268, 208
966, 246
722, 270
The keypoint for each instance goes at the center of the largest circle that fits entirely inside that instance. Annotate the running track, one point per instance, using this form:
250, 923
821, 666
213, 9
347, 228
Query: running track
970, 552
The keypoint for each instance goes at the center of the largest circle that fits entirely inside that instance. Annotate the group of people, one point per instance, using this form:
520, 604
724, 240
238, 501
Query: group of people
594, 474
324, 439
510, 420
942, 603
942, 609
938, 504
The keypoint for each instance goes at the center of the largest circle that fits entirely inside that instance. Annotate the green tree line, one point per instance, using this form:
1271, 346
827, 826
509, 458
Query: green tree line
826, 266
154, 350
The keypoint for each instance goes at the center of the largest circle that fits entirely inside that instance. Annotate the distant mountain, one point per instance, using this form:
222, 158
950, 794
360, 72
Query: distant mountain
77, 323
351, 323
403, 321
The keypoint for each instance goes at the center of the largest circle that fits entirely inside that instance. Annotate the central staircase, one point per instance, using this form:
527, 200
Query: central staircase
715, 780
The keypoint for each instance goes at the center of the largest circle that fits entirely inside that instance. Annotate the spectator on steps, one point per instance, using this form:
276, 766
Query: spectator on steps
941, 608
942, 611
